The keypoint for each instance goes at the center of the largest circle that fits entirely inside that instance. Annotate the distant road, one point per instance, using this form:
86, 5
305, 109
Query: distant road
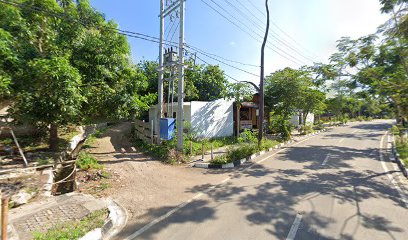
336, 185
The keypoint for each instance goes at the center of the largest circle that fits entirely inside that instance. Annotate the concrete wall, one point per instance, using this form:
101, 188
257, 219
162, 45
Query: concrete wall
212, 119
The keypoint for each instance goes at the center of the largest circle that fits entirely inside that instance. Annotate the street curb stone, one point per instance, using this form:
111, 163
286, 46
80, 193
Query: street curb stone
398, 160
237, 163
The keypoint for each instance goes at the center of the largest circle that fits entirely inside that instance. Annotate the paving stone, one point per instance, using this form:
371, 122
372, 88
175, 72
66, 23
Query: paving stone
45, 219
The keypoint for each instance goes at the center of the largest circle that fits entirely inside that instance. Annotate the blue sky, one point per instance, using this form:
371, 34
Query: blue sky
311, 27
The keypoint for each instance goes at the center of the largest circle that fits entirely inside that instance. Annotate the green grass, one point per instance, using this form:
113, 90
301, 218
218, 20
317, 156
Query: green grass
215, 142
74, 229
86, 162
243, 150
91, 139
402, 149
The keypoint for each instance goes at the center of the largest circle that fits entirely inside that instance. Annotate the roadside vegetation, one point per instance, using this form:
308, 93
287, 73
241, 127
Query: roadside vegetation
246, 146
74, 229
401, 142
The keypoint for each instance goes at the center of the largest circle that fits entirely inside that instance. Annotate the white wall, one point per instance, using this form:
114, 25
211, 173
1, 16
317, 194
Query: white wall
295, 119
212, 119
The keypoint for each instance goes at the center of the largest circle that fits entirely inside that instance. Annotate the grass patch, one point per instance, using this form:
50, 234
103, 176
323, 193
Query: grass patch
91, 139
86, 162
74, 229
243, 150
402, 149
167, 153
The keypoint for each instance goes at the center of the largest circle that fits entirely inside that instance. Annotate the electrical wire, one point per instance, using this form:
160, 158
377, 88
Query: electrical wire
278, 51
272, 33
277, 26
137, 35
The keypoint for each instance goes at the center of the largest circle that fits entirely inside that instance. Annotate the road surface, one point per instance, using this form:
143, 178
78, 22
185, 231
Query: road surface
336, 185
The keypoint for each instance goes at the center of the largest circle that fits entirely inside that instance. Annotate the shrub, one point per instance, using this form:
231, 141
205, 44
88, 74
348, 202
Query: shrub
86, 162
173, 156
306, 129
248, 136
395, 130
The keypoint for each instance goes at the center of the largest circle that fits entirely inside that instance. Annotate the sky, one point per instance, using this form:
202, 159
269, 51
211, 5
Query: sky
301, 31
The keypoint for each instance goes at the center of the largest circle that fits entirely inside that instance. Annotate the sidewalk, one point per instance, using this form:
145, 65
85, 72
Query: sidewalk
42, 215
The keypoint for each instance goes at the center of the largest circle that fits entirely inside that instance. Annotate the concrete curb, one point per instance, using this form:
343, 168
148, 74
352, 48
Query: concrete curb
117, 220
397, 158
237, 163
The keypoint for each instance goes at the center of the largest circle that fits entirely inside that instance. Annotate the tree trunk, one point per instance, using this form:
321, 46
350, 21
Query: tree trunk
53, 140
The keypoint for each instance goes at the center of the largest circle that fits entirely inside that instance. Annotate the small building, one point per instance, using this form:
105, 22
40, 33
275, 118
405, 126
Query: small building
297, 119
206, 119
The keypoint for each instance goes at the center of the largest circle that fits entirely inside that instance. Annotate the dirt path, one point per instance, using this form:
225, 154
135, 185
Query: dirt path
146, 188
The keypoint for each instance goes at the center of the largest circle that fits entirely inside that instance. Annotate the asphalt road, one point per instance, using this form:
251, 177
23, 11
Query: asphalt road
336, 185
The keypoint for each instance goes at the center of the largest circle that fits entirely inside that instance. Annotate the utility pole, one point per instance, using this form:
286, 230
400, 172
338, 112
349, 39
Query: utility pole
261, 84
161, 70
180, 98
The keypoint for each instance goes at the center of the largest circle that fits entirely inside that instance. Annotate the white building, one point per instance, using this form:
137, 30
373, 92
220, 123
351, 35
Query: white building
207, 119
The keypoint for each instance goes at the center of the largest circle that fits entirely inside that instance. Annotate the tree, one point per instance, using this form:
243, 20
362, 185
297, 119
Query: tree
311, 101
69, 46
284, 91
54, 96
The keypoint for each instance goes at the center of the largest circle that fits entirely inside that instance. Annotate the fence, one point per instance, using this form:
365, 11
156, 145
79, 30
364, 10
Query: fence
144, 131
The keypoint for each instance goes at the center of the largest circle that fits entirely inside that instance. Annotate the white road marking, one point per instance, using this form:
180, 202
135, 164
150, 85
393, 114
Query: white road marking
294, 228
171, 212
341, 140
400, 192
325, 160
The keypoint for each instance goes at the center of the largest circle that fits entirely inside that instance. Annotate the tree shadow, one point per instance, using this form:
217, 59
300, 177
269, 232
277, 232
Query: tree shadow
196, 212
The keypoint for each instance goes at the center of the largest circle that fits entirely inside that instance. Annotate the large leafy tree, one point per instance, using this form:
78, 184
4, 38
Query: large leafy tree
288, 91
79, 67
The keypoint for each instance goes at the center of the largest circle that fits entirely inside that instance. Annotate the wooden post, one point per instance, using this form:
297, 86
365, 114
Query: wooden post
191, 147
151, 131
202, 151
19, 148
212, 154
4, 217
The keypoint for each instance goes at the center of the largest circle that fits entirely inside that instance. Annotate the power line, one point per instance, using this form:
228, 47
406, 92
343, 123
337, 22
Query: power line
277, 26
232, 78
217, 56
119, 31
294, 60
273, 33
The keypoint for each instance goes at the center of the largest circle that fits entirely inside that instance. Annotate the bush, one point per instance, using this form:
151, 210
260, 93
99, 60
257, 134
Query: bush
306, 129
86, 162
395, 130
243, 150
248, 136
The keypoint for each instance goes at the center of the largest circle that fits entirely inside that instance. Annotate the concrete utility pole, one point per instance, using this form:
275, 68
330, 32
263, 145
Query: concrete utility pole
161, 70
261, 84
180, 98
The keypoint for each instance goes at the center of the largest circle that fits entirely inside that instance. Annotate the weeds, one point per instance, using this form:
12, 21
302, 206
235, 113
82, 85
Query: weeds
86, 162
74, 229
